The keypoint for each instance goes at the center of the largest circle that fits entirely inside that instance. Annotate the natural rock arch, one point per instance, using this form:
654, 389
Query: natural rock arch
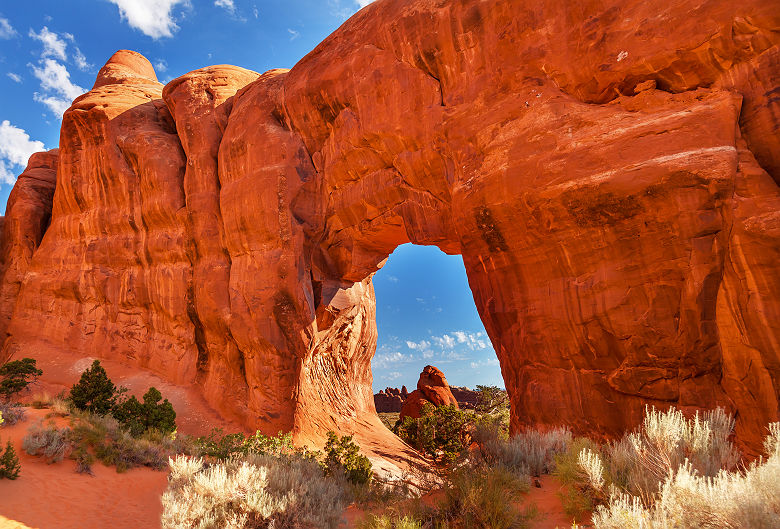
614, 198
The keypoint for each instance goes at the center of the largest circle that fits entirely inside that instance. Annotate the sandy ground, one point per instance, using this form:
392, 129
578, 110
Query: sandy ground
56, 497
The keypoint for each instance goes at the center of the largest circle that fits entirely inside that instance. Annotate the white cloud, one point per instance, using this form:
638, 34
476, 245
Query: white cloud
153, 18
364, 3
383, 361
58, 89
395, 375
418, 346
161, 65
444, 341
293, 34
55, 77
14, 77
255, 12
6, 30
227, 4
81, 61
53, 45
488, 362
16, 147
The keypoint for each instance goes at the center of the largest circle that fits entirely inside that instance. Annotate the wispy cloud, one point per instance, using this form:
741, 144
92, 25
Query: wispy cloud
81, 61
153, 18
14, 77
16, 147
58, 90
364, 3
488, 362
160, 65
53, 45
293, 34
6, 29
385, 360
255, 12
228, 5
393, 375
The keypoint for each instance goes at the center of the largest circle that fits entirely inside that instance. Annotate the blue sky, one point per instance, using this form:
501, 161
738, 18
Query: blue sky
51, 50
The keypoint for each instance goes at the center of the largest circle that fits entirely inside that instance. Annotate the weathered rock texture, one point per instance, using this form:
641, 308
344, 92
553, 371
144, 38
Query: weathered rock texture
432, 388
608, 170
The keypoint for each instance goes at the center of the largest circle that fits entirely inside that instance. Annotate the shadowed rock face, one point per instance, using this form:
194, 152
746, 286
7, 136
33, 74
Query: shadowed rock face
607, 170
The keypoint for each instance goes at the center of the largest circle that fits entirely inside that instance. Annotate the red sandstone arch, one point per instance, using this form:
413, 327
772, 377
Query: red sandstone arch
609, 175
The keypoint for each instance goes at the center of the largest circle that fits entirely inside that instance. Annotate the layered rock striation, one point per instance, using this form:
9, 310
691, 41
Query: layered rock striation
609, 172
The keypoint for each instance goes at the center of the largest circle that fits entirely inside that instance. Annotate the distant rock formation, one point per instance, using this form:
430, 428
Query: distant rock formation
608, 171
390, 400
432, 388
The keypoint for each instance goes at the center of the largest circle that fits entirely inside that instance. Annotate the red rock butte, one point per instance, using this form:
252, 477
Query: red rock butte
608, 170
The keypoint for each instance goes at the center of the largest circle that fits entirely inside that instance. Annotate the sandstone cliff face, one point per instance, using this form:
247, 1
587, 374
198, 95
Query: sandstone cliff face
607, 170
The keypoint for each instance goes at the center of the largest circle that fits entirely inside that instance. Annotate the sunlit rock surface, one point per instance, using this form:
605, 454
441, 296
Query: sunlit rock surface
608, 171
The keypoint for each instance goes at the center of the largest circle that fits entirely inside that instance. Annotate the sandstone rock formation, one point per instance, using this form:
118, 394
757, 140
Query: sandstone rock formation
608, 170
432, 388
390, 400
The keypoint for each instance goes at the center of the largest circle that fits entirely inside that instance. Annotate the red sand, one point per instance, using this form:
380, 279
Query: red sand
56, 497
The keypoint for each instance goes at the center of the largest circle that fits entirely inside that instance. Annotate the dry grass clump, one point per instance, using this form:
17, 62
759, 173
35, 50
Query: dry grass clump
11, 413
258, 491
530, 452
47, 441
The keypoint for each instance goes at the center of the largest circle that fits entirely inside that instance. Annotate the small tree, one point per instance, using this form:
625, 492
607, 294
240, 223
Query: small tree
138, 417
9, 463
345, 454
17, 375
94, 392
440, 432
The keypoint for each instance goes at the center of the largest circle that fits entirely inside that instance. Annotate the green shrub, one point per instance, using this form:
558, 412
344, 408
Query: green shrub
484, 497
218, 446
440, 433
344, 455
114, 446
94, 392
139, 417
9, 463
16, 375
257, 491
47, 441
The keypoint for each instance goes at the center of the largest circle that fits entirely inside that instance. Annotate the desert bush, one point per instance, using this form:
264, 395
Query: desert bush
748, 498
219, 446
530, 452
139, 417
94, 392
255, 491
47, 441
9, 463
16, 375
11, 413
641, 461
482, 497
343, 455
440, 433
110, 443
